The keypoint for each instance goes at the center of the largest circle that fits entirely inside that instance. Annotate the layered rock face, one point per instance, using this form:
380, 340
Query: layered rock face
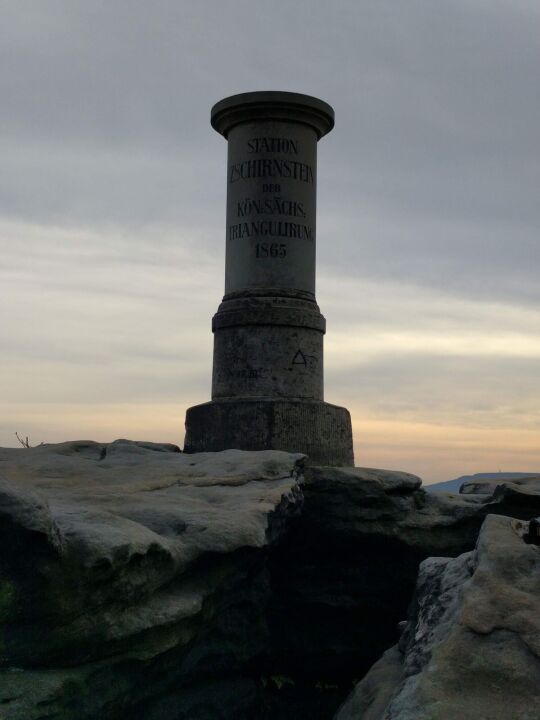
130, 579
346, 572
471, 646
139, 582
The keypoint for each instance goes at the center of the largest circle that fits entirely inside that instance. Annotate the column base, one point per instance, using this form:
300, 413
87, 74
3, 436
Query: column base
318, 429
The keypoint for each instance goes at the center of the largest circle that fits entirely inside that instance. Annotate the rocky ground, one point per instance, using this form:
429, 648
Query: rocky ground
471, 645
140, 582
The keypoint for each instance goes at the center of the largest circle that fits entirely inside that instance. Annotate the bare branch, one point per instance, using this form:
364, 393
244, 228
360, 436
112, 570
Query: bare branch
25, 443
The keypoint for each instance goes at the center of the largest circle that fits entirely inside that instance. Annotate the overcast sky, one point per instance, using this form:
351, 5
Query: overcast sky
112, 216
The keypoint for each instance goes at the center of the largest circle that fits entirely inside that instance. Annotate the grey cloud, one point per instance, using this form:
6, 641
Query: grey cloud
466, 391
431, 173
428, 187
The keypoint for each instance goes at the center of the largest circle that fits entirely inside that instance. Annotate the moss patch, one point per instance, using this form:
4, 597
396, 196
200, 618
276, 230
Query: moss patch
8, 597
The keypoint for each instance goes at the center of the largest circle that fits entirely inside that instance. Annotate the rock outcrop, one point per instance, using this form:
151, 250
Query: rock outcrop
471, 646
140, 582
344, 575
523, 487
131, 578
529, 484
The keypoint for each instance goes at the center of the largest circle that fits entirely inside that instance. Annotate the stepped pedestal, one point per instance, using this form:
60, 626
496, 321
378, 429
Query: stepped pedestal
267, 384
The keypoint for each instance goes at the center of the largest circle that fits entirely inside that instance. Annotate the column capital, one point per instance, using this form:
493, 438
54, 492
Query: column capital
272, 105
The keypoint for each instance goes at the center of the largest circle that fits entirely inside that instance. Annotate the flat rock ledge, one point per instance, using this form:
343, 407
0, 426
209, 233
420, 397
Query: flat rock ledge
112, 555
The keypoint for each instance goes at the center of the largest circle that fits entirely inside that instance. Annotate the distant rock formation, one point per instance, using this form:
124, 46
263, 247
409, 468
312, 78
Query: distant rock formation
529, 485
140, 582
464, 480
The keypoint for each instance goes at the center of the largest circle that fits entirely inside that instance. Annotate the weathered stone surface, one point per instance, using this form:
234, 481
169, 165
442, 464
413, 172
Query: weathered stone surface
268, 330
271, 188
140, 582
471, 647
343, 577
359, 504
268, 347
320, 430
128, 567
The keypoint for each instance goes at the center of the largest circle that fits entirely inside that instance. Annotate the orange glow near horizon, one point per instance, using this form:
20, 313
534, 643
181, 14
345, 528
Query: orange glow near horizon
434, 452
100, 347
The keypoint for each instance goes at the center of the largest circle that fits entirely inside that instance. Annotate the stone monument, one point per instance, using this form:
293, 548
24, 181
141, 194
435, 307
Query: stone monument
267, 384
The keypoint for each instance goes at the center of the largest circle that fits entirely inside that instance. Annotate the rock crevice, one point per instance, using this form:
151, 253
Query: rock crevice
139, 582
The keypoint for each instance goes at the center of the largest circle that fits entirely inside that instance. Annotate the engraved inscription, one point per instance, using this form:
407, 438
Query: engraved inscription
270, 228
286, 146
270, 250
264, 215
271, 206
271, 168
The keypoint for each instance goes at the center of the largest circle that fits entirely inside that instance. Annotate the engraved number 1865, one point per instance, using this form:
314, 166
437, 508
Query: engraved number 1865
274, 250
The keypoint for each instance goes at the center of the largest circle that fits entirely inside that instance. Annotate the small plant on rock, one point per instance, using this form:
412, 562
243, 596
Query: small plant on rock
24, 441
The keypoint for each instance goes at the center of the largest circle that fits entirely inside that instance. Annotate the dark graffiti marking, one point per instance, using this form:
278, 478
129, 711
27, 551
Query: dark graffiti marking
309, 362
248, 373
299, 359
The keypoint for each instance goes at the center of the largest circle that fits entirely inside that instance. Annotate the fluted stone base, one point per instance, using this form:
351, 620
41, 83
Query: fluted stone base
318, 429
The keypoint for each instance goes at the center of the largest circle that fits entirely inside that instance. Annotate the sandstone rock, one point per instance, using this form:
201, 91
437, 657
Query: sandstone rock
471, 648
363, 503
122, 564
344, 575
137, 581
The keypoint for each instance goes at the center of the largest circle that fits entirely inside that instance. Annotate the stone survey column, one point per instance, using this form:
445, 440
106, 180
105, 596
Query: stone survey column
267, 384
